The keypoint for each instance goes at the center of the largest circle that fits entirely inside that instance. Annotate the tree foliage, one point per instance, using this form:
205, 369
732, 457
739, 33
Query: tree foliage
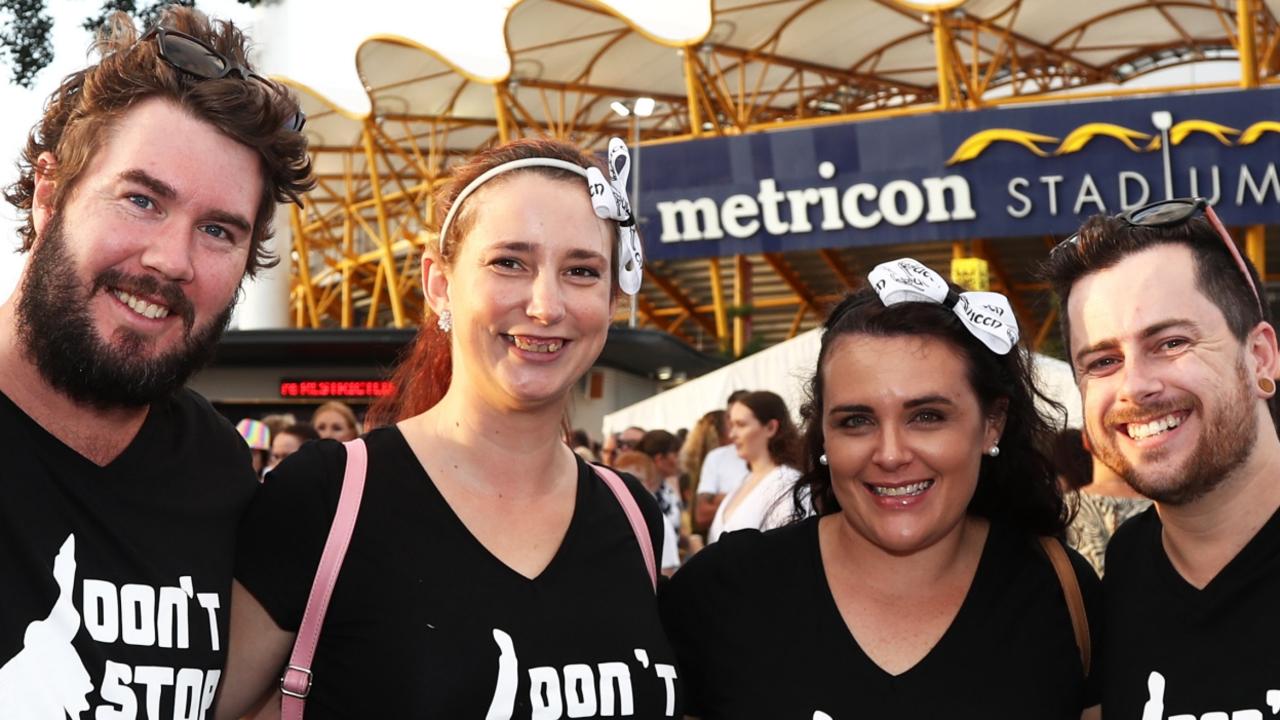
26, 30
26, 43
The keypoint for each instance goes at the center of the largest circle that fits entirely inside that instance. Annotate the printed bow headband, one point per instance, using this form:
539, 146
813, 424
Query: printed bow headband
986, 315
608, 200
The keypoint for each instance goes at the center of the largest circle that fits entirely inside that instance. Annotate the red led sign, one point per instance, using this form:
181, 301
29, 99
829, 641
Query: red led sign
335, 388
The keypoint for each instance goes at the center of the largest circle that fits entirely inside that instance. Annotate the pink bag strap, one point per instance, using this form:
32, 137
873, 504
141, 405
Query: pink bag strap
638, 525
295, 684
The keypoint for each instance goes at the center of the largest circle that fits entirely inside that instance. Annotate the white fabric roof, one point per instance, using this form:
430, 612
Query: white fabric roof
784, 369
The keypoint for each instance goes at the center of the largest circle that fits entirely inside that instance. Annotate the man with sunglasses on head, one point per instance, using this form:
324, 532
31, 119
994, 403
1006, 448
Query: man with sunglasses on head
1175, 357
147, 190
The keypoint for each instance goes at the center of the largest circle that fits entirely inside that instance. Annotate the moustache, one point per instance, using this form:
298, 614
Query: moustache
1146, 411
148, 286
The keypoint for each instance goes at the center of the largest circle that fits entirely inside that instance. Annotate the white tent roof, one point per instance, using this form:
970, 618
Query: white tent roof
784, 369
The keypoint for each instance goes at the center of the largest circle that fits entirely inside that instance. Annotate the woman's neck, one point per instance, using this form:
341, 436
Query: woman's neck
891, 572
763, 465
492, 441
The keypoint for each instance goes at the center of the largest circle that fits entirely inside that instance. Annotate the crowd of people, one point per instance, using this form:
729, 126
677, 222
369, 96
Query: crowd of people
900, 553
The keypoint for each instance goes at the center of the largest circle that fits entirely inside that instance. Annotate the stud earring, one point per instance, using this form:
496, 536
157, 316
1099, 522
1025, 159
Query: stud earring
1267, 386
445, 321
993, 451
822, 459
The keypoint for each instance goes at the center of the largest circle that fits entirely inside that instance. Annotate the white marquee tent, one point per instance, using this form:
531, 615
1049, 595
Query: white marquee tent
783, 369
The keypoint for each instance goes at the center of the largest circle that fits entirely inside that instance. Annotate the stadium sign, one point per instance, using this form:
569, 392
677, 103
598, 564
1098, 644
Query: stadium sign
948, 176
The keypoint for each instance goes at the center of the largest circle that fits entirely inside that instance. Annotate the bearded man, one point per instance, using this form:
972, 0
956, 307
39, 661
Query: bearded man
1169, 333
147, 190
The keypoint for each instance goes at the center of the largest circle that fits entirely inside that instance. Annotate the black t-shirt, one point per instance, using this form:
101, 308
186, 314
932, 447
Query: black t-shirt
426, 623
758, 635
115, 582
1174, 651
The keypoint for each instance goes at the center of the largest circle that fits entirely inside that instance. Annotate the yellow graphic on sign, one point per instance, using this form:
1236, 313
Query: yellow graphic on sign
971, 274
1082, 135
978, 143
1179, 132
1255, 131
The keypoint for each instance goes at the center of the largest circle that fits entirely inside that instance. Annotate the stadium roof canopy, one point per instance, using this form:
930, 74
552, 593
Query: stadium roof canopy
739, 66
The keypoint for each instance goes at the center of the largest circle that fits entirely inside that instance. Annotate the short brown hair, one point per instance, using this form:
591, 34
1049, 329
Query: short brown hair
1103, 241
80, 114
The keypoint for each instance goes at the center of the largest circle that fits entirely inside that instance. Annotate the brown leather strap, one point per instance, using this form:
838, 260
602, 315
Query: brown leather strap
1071, 591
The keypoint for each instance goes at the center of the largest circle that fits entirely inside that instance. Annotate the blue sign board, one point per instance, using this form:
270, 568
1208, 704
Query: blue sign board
1003, 172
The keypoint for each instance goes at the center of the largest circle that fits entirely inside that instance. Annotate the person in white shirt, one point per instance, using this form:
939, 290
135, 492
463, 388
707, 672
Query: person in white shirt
722, 472
764, 436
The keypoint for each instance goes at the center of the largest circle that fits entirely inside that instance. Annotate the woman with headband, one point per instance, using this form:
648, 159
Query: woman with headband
931, 583
491, 573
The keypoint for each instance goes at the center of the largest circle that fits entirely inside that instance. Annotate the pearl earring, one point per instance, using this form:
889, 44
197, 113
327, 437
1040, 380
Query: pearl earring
994, 451
822, 459
445, 321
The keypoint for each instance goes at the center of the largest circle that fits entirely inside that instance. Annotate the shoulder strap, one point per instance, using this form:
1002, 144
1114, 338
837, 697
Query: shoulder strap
638, 525
1071, 591
295, 684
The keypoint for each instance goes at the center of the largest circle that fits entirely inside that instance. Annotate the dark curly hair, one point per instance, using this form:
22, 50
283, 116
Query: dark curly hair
80, 114
1017, 488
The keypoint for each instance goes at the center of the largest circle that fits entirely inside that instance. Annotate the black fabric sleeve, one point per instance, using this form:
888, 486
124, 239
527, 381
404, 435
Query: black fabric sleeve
1091, 590
283, 533
682, 601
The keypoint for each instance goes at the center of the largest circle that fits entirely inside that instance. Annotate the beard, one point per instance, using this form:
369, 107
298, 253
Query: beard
1224, 445
59, 337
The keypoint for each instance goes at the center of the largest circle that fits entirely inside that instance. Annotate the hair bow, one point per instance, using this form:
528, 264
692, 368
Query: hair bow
986, 315
609, 199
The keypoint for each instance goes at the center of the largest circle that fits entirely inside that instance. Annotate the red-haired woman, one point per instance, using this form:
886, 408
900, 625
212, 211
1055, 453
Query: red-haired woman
491, 573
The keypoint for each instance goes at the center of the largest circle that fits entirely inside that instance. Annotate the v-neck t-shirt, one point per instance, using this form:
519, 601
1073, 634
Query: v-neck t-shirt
1173, 650
115, 580
758, 635
426, 623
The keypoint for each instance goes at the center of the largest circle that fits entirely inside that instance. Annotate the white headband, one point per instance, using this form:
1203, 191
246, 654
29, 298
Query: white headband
986, 315
608, 199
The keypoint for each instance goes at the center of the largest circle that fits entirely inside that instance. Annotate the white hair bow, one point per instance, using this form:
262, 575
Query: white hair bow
986, 315
609, 199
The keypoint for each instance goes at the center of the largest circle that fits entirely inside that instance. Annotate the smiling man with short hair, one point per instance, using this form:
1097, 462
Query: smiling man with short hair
1175, 356
147, 190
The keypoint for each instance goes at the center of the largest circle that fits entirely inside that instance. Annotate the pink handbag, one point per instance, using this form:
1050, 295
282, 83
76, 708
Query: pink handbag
295, 684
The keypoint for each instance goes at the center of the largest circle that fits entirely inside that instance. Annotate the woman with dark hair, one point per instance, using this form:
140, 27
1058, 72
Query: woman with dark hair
491, 572
921, 589
761, 430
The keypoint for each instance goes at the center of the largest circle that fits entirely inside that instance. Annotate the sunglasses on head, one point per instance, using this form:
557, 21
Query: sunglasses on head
195, 58
1167, 213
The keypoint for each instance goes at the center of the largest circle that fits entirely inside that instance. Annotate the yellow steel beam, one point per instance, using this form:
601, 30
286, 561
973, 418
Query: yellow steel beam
793, 281
717, 298
678, 297
1045, 327
797, 320
1021, 311
1248, 44
741, 299
691, 91
383, 237
1255, 242
303, 264
833, 261
942, 54
348, 246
